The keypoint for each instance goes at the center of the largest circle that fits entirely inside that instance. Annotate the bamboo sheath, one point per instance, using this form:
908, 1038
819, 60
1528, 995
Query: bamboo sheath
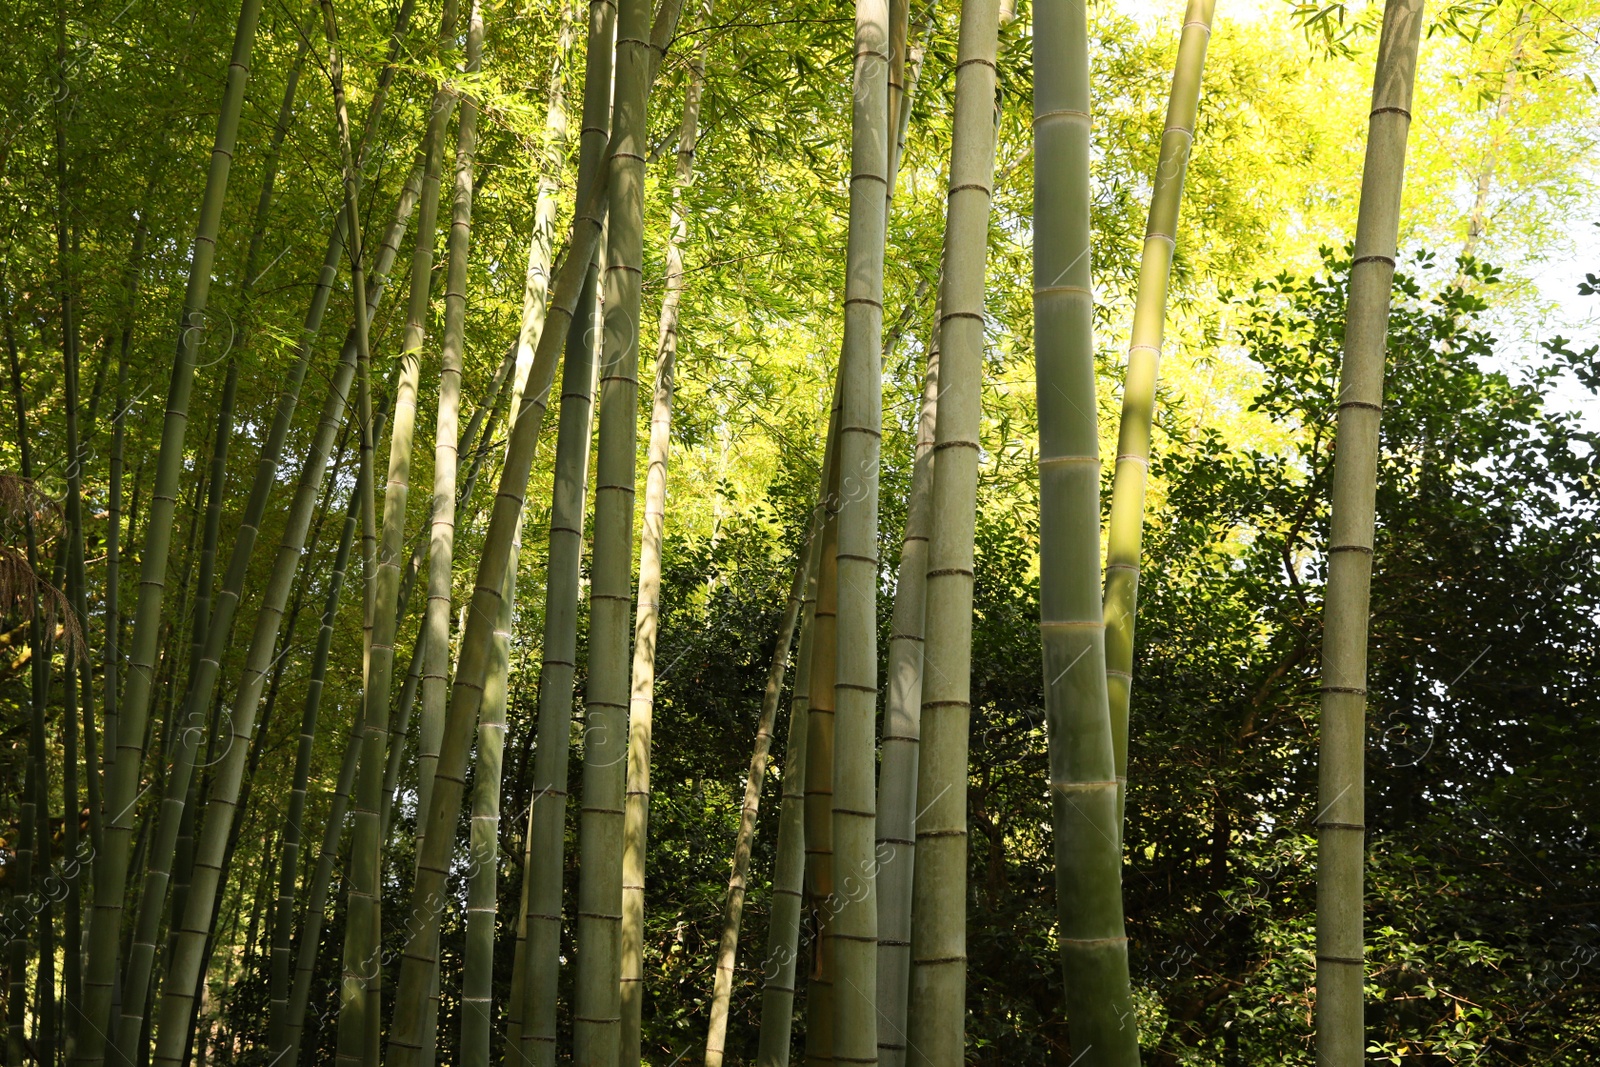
123, 789
641, 699
1083, 786
935, 1016
1341, 807
420, 955
1126, 528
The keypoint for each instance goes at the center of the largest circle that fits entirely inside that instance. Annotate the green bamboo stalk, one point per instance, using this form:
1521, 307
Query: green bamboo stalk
111, 662
279, 1043
436, 622
475, 1028
137, 971
641, 700
110, 874
1139, 385
597, 1020
33, 847
853, 930
420, 956
359, 989
1341, 800
195, 924
818, 822
1094, 947
531, 1037
935, 1016
788, 878
733, 908
902, 728
310, 939
77, 599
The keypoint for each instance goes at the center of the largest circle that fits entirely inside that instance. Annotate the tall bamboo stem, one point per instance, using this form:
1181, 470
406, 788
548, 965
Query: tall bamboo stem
596, 1031
110, 876
647, 616
420, 956
1083, 787
1341, 800
853, 931
733, 909
1139, 384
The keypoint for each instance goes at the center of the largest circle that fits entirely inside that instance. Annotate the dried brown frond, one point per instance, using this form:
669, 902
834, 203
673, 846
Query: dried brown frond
21, 587
21, 499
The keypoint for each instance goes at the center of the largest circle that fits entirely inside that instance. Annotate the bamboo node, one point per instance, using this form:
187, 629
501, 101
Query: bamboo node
1063, 113
1065, 460
1073, 787
1351, 548
1391, 110
1353, 690
1355, 961
1389, 260
1361, 404
1074, 290
1088, 941
1356, 826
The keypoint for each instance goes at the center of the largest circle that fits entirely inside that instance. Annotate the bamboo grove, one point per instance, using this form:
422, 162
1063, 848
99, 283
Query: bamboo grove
757, 474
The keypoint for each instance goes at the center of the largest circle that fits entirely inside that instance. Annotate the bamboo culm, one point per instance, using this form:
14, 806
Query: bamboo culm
420, 955
597, 1021
110, 874
1341, 800
1083, 788
1126, 528
647, 614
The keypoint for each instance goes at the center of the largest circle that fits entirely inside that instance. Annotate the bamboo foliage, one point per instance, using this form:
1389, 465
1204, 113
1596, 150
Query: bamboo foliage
1341, 804
1083, 788
1126, 528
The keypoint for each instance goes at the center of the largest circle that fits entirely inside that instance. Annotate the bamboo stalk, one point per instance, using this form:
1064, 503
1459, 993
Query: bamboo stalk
1341, 800
1083, 788
733, 909
597, 1020
110, 875
530, 1010
1139, 383
788, 878
853, 930
647, 615
420, 955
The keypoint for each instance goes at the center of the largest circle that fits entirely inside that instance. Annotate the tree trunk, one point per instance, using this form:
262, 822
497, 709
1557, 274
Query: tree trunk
1341, 802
